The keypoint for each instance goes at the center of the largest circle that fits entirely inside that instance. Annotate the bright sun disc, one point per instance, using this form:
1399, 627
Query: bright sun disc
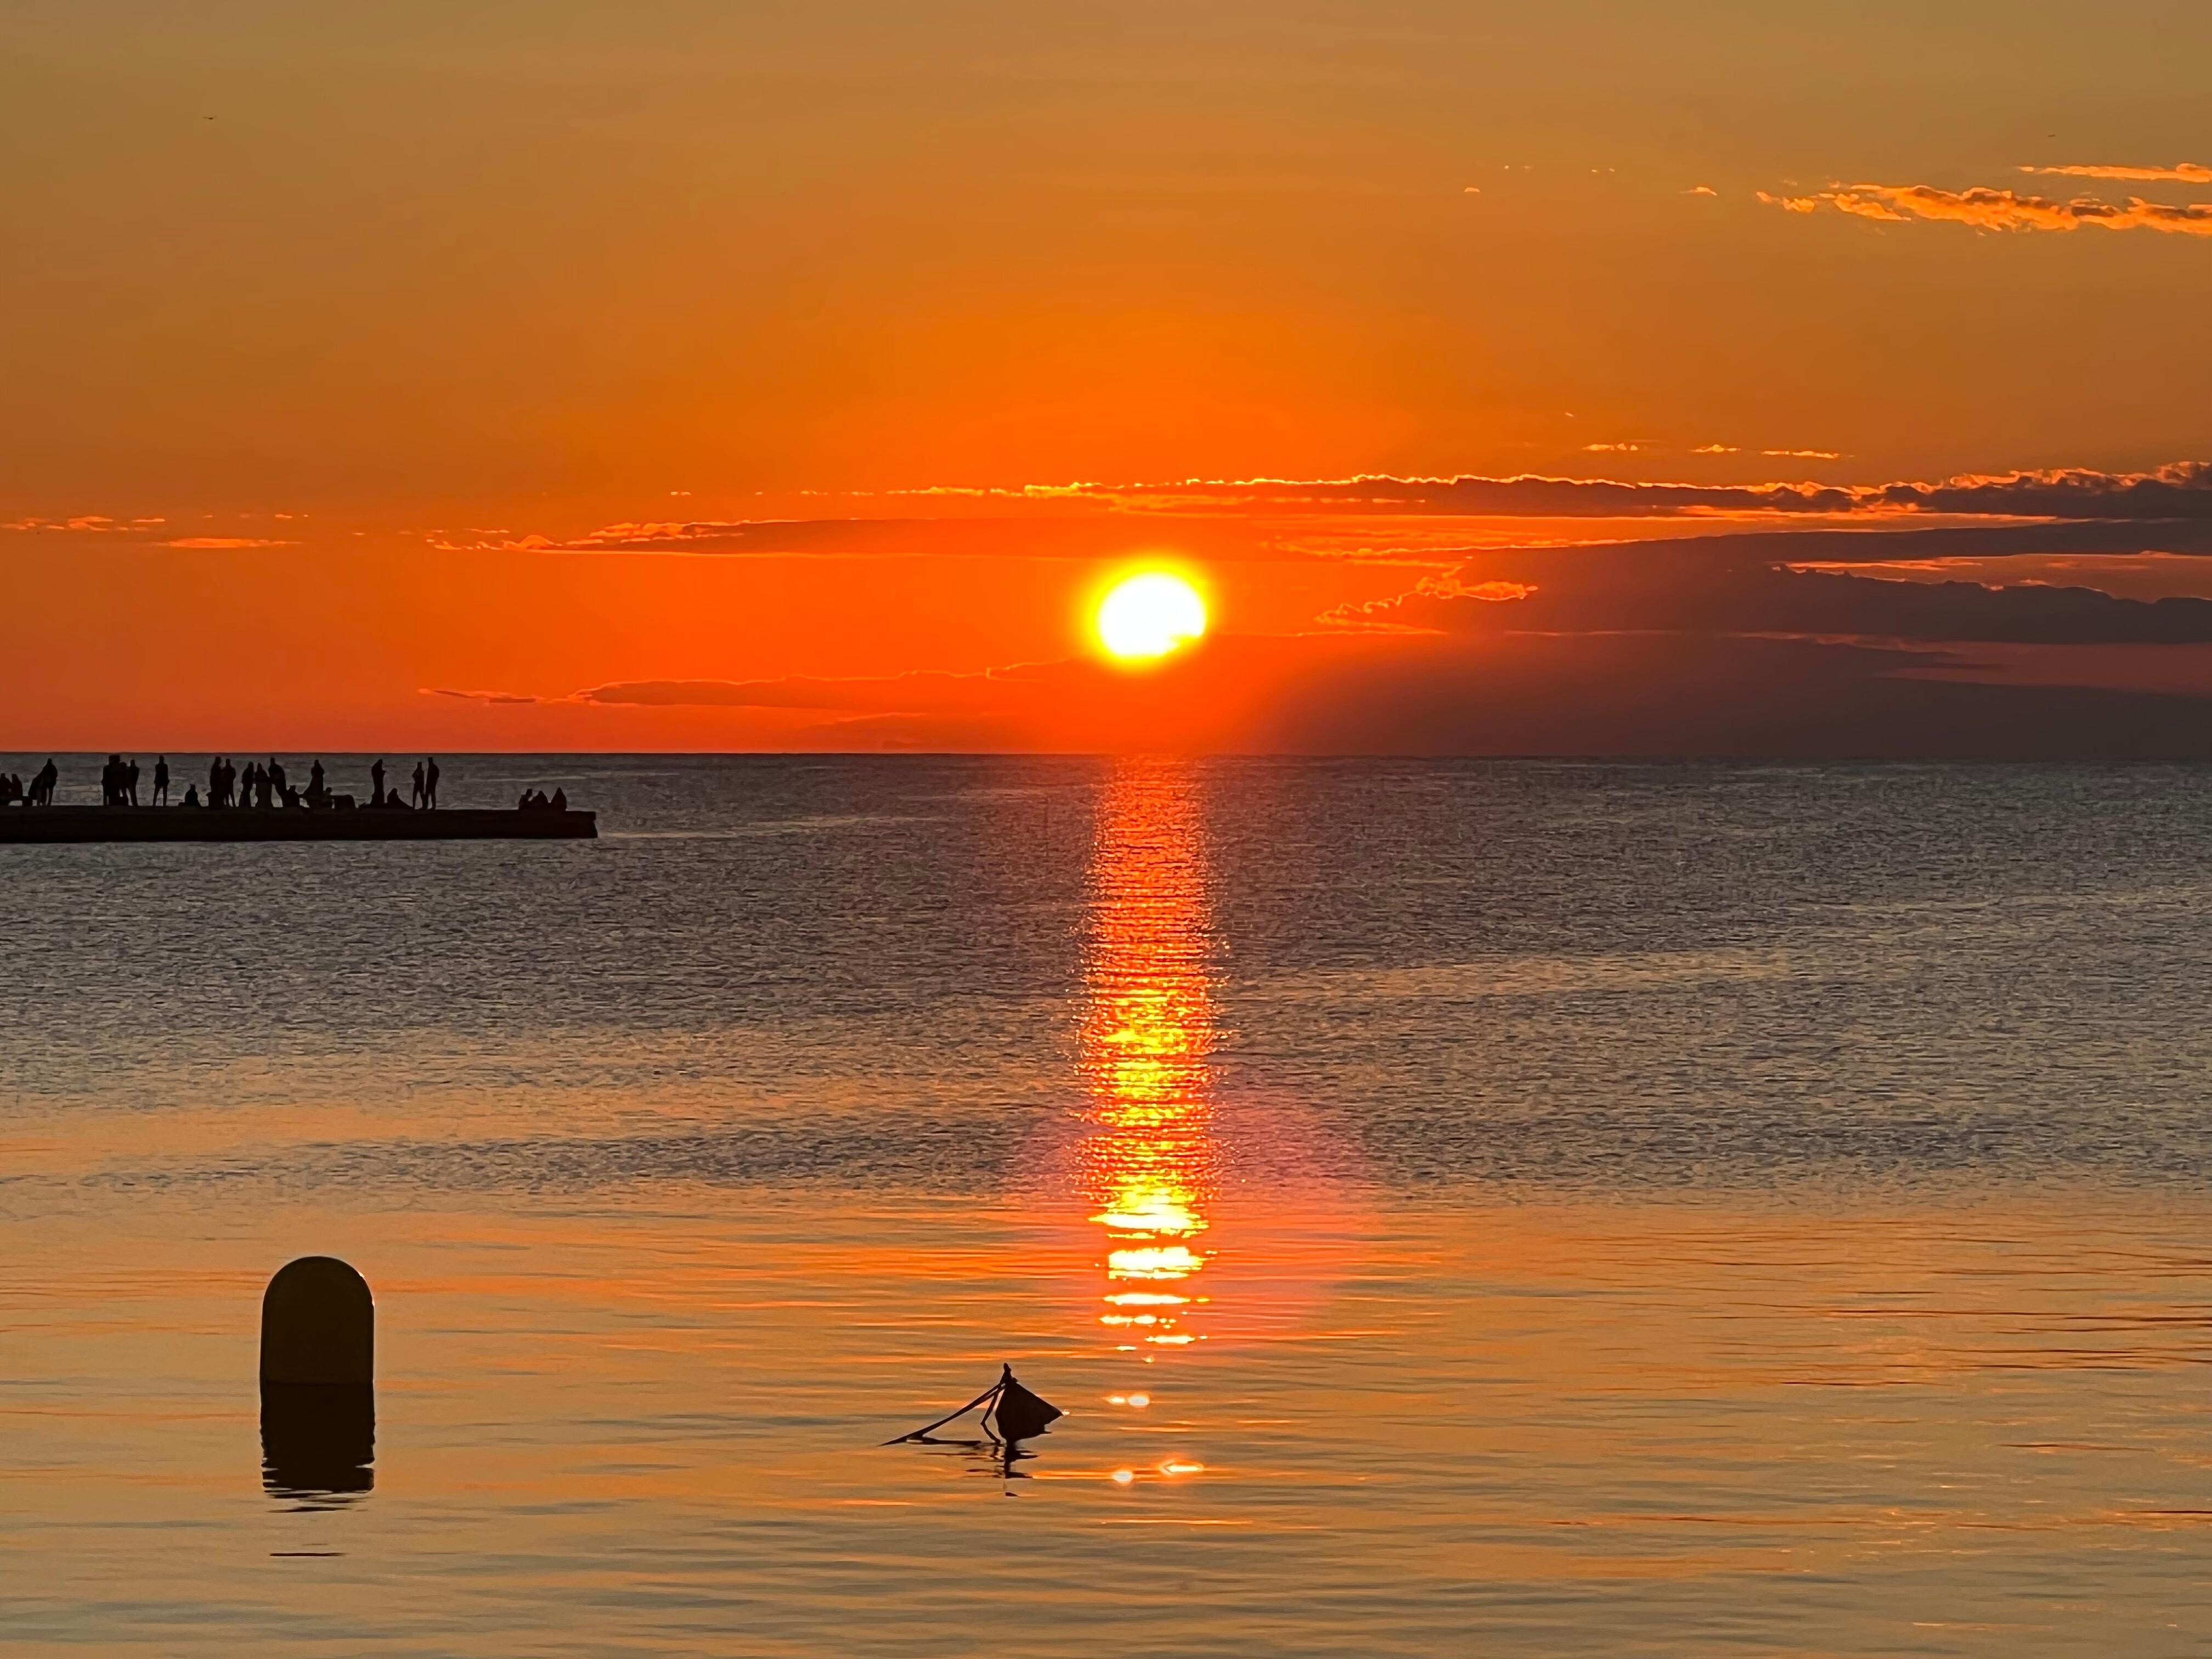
1150, 616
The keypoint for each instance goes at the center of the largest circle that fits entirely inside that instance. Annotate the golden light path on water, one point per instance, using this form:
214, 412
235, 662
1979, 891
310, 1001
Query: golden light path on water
1149, 1158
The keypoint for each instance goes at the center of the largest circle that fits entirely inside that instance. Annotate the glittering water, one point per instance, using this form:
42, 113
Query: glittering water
1462, 1208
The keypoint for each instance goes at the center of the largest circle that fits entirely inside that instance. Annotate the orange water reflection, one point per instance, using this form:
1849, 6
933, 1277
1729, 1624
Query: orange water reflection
1150, 1159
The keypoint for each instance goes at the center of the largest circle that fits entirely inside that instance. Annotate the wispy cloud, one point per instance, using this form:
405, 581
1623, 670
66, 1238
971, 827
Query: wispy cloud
2186, 172
922, 691
1998, 210
1377, 517
2182, 490
84, 524
496, 699
1779, 584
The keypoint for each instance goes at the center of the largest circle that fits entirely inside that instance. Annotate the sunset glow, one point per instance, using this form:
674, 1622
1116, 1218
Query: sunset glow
1149, 1156
1144, 618
917, 824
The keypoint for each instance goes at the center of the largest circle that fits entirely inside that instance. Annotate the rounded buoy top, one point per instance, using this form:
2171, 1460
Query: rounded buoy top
319, 1325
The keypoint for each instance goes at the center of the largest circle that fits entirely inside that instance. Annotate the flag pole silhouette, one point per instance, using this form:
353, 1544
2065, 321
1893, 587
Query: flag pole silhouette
1011, 1412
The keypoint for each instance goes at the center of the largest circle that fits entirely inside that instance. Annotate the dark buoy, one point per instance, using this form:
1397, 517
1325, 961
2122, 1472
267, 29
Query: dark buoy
319, 1325
318, 1381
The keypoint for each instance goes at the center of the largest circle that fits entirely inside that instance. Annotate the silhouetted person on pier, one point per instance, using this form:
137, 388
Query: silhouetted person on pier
317, 796
111, 780
214, 782
376, 782
431, 782
131, 781
274, 773
42, 785
257, 784
230, 796
162, 782
415, 799
560, 801
191, 794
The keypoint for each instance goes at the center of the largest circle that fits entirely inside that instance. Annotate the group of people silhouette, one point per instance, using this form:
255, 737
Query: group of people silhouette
39, 791
119, 782
262, 785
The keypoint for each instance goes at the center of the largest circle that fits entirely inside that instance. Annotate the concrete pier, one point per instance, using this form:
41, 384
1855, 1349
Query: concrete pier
47, 825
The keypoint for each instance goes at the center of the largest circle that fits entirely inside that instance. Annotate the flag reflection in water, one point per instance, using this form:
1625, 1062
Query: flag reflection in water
1149, 1156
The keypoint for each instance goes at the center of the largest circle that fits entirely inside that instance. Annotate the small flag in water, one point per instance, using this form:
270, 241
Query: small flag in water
1011, 1411
1017, 1413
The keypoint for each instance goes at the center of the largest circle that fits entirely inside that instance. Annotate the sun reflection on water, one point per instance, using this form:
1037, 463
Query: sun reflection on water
1149, 1155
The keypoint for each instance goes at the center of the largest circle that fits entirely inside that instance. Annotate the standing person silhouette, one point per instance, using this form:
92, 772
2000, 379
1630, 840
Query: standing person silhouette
415, 799
162, 782
131, 781
273, 776
431, 782
214, 782
376, 782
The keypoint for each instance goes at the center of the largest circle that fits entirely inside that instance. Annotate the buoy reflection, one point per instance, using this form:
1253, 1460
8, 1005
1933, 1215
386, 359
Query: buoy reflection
318, 1444
1149, 1155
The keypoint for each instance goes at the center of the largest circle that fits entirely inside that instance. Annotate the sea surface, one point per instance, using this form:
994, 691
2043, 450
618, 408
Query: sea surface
1462, 1208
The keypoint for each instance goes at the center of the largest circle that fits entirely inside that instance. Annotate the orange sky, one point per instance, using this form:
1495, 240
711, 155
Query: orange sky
343, 336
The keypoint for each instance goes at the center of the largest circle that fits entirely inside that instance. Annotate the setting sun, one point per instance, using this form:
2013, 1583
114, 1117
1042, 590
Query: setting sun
1150, 616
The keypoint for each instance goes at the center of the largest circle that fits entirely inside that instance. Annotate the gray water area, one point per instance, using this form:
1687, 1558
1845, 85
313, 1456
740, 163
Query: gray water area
1541, 1206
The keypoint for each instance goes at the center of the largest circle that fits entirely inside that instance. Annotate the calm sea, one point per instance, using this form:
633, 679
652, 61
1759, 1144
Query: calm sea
1462, 1208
